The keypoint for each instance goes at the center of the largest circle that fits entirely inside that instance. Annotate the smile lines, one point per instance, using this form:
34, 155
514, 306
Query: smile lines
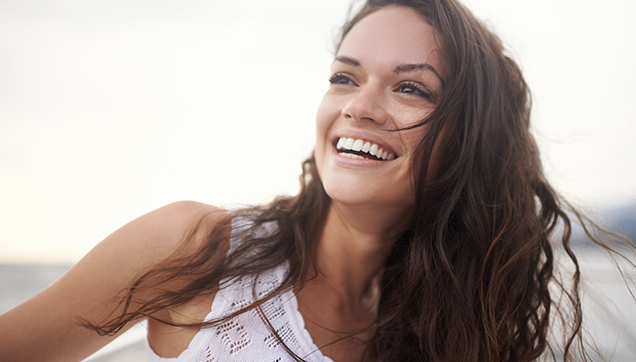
357, 148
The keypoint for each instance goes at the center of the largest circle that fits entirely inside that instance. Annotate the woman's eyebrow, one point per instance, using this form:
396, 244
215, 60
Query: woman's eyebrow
402, 68
411, 67
347, 60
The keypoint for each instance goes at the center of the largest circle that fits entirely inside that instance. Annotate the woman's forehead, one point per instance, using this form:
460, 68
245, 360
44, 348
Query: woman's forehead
393, 35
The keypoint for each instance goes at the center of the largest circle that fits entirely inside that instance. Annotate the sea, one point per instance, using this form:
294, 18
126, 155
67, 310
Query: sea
608, 305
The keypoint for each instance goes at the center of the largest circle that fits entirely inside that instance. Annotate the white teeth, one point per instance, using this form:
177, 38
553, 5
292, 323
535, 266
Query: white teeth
373, 150
346, 143
366, 147
352, 155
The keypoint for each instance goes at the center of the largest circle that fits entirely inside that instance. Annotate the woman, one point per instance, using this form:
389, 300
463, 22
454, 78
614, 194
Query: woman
421, 232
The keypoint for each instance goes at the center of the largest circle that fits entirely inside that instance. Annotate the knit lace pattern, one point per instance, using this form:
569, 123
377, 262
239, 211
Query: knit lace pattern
246, 337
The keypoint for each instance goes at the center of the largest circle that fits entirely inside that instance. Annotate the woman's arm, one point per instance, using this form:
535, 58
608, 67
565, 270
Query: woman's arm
46, 327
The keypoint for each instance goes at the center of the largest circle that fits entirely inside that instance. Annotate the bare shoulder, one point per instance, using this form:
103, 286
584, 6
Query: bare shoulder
165, 228
184, 212
152, 237
173, 219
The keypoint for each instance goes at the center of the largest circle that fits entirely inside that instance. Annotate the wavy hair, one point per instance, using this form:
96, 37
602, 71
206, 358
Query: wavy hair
472, 277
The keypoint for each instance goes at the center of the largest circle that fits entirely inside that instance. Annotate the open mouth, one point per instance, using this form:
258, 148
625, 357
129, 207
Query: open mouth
357, 148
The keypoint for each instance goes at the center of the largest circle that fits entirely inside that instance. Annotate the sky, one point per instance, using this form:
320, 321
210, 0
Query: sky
110, 109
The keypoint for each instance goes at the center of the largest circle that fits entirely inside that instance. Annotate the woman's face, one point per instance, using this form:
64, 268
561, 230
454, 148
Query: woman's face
387, 75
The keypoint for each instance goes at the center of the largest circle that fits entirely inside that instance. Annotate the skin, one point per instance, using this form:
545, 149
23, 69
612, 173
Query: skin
370, 202
45, 327
371, 199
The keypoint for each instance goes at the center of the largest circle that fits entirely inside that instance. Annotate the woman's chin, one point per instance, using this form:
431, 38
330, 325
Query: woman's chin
369, 198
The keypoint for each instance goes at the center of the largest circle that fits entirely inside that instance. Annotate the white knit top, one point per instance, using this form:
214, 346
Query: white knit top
246, 337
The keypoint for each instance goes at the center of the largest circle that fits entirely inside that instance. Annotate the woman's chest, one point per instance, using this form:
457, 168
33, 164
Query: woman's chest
343, 334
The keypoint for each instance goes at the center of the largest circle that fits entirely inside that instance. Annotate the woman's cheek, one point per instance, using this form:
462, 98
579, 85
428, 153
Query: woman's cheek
327, 114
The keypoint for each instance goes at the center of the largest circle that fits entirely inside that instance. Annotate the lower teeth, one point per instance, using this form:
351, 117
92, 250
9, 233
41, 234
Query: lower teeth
351, 155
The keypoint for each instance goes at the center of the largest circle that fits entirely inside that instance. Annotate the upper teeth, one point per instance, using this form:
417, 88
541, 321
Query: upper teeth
373, 149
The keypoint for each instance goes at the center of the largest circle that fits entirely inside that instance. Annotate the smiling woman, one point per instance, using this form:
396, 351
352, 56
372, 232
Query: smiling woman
424, 229
384, 80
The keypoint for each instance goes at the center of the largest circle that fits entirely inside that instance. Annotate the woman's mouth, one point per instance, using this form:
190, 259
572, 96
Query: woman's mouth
358, 148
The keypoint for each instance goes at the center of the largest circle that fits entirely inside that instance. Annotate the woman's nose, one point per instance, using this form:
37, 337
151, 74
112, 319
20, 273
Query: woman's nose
367, 104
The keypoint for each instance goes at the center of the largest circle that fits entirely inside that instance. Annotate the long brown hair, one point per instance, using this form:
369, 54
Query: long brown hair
469, 278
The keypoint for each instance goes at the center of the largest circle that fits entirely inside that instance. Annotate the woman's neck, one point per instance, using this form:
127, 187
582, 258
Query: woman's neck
342, 300
352, 251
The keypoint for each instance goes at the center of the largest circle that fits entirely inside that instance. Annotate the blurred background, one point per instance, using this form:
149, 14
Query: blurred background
110, 109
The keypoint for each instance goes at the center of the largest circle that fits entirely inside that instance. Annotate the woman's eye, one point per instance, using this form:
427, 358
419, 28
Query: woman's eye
410, 88
340, 78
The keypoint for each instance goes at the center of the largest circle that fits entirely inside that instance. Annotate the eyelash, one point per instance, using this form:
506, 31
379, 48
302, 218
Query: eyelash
417, 90
336, 78
340, 78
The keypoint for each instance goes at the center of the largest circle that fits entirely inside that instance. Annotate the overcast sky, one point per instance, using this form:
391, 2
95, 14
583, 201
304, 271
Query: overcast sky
109, 109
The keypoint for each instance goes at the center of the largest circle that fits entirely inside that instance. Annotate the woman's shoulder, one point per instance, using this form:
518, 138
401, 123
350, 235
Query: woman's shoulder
153, 238
176, 216
165, 228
